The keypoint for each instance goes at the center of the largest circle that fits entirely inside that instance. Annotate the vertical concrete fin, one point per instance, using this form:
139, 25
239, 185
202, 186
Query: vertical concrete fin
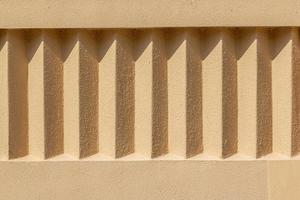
229, 94
88, 93
177, 66
295, 92
194, 142
45, 95
212, 92
125, 94
143, 92
71, 93
264, 93
4, 108
159, 95
282, 91
246, 49
107, 93
36, 89
18, 94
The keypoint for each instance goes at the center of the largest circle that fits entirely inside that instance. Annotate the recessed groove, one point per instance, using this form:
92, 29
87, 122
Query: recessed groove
194, 143
18, 99
295, 92
125, 94
88, 94
264, 93
159, 96
229, 94
53, 94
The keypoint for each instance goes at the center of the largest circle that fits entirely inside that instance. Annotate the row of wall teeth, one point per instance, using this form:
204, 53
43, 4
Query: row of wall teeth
185, 92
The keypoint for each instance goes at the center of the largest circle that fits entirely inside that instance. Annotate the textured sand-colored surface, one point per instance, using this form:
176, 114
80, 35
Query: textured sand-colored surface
145, 13
180, 99
134, 180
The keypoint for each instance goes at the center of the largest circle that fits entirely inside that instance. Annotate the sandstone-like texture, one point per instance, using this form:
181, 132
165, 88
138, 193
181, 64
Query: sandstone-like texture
181, 99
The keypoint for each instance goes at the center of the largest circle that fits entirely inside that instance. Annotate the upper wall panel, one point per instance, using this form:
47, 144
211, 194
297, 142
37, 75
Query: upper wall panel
147, 13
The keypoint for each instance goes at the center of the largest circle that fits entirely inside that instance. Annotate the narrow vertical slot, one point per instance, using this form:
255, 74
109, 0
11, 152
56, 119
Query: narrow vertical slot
88, 94
18, 94
194, 138
159, 96
125, 94
264, 93
229, 94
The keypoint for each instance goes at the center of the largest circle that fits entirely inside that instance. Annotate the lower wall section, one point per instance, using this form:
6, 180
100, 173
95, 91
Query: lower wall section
284, 179
113, 180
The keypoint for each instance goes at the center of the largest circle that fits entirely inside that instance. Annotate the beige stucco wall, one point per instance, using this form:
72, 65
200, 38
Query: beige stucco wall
144, 13
162, 100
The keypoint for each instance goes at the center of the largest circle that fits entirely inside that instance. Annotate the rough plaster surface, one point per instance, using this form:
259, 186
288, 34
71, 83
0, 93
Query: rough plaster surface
162, 180
145, 13
146, 111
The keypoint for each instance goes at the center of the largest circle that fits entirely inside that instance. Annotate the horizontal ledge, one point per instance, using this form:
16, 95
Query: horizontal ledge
145, 13
164, 158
